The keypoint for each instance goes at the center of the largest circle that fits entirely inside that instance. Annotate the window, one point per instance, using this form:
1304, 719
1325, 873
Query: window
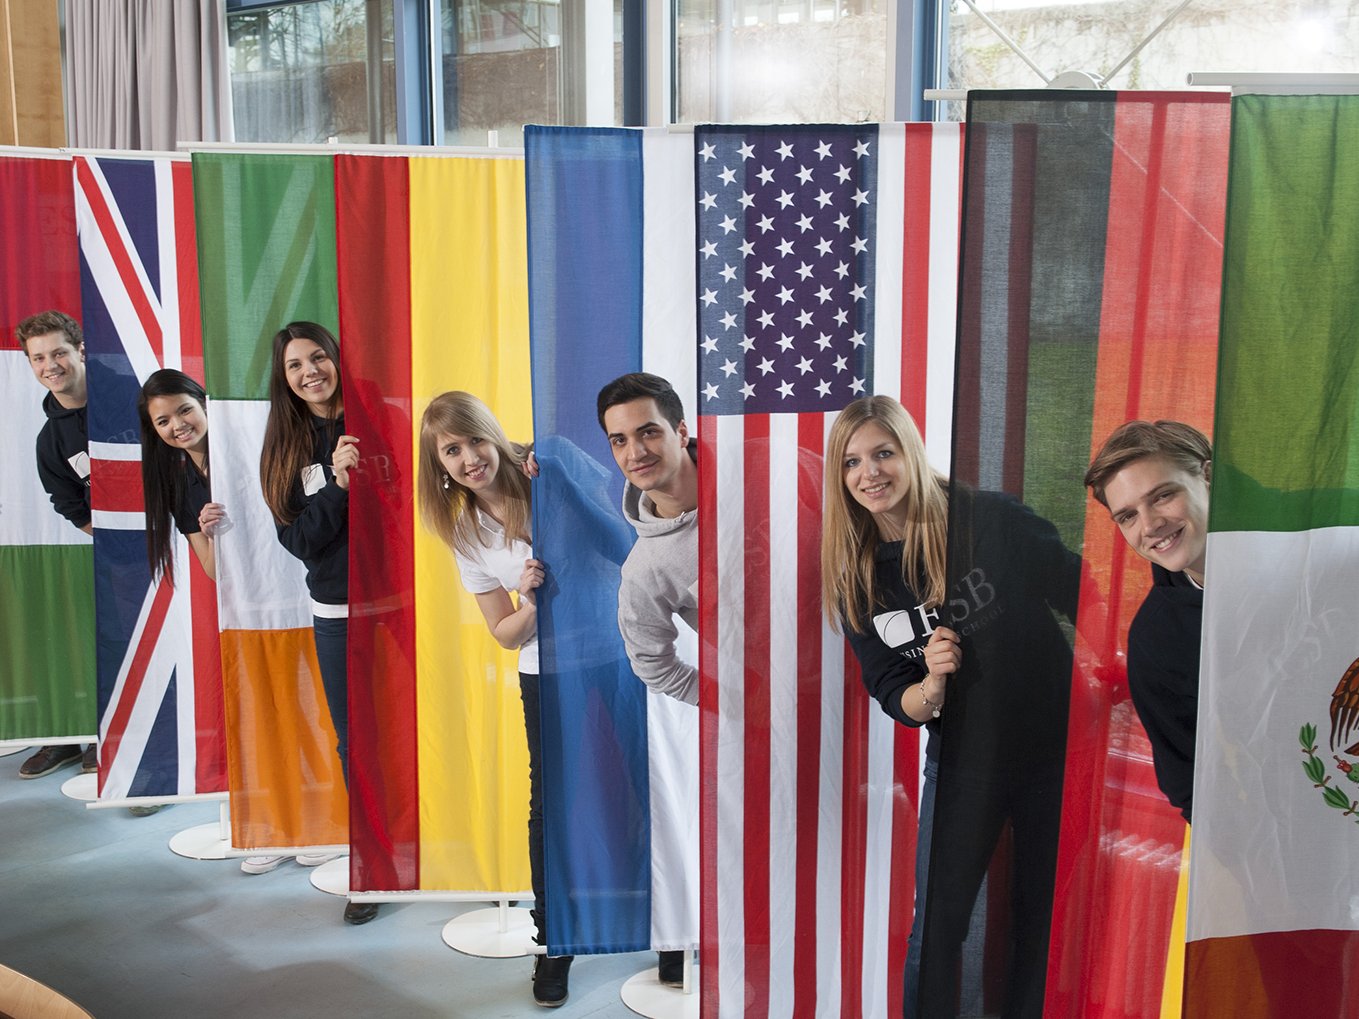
1207, 35
773, 61
302, 72
534, 62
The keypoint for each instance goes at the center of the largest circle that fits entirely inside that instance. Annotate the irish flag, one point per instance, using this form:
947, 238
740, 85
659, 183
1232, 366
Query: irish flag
1274, 878
266, 256
46, 565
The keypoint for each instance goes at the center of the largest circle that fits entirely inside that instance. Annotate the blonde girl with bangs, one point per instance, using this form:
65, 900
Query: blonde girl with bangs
883, 547
474, 493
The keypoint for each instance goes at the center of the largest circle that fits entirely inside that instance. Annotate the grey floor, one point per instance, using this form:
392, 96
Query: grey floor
94, 904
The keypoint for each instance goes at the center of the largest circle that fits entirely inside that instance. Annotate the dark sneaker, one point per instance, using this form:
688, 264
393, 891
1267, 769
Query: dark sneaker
671, 969
145, 809
48, 760
359, 912
89, 760
550, 975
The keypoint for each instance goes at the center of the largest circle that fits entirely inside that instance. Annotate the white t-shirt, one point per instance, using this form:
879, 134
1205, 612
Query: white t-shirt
496, 565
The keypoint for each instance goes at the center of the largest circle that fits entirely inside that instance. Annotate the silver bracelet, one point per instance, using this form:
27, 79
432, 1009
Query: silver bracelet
934, 708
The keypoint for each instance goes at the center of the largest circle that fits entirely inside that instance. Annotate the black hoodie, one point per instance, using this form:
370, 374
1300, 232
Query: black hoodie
1163, 678
64, 460
320, 534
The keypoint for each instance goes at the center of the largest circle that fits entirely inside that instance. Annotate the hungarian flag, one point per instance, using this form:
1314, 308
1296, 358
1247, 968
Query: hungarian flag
266, 257
1092, 232
827, 264
432, 297
610, 242
1274, 874
161, 731
46, 565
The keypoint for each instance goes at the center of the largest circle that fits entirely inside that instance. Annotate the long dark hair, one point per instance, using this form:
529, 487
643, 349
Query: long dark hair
163, 467
288, 433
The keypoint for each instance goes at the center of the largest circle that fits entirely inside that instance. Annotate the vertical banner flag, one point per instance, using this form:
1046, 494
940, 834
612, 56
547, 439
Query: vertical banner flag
610, 240
46, 565
1274, 876
266, 257
1092, 227
826, 271
161, 731
436, 721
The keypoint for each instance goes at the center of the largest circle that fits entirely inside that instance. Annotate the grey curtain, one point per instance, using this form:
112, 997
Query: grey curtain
146, 74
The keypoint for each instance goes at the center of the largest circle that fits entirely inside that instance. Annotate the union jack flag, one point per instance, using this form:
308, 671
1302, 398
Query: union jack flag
161, 731
827, 264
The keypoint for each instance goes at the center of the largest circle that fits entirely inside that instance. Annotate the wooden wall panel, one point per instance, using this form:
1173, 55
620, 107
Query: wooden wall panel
31, 111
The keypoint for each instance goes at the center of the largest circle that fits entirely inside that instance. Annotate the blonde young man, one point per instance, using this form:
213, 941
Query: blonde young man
1154, 479
55, 347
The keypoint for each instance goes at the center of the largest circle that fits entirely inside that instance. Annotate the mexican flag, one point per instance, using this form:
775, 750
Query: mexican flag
1274, 875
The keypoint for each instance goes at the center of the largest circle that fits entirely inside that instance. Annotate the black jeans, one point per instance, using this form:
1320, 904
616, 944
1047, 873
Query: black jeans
331, 636
528, 692
967, 825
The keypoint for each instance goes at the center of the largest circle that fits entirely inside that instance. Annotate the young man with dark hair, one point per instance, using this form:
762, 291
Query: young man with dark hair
644, 419
1154, 479
55, 347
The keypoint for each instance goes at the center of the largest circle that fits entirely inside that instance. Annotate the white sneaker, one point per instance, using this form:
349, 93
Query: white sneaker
315, 859
260, 864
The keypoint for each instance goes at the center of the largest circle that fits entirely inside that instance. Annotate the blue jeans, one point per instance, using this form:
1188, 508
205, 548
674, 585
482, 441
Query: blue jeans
910, 1008
528, 692
331, 636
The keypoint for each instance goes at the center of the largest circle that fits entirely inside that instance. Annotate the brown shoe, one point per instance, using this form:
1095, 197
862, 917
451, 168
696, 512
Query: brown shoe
89, 761
48, 760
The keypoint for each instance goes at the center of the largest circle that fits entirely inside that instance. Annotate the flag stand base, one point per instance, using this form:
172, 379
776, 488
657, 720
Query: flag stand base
9, 751
496, 933
333, 877
647, 996
81, 787
204, 841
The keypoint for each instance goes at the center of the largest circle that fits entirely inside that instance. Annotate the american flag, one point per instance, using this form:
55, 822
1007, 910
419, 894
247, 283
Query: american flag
161, 731
786, 225
827, 261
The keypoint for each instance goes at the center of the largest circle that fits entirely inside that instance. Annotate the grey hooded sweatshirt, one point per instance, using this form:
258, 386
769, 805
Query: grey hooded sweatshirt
660, 581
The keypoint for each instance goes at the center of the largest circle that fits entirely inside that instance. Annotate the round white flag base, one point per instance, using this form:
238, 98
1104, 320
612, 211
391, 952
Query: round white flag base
8, 749
495, 933
82, 787
646, 995
201, 842
333, 877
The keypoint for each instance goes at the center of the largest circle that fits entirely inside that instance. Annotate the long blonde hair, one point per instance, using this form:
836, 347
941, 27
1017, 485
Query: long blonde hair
448, 511
849, 534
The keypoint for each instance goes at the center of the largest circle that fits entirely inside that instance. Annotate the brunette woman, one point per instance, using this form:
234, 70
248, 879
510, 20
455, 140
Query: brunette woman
305, 473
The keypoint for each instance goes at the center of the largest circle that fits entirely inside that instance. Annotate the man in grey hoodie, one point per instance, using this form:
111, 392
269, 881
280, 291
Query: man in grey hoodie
644, 420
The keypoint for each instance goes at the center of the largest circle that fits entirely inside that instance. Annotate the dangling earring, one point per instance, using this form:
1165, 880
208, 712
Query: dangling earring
447, 480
